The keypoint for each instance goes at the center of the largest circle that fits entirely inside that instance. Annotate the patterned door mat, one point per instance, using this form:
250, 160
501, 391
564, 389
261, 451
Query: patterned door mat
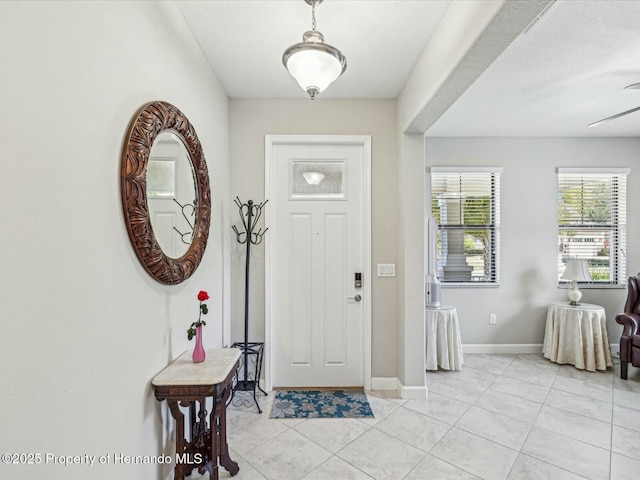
321, 404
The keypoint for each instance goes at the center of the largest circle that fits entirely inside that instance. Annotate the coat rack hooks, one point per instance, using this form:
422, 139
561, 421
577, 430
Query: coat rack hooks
250, 214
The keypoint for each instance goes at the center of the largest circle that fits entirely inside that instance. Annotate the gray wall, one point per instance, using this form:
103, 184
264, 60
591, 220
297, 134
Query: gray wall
528, 233
84, 327
250, 121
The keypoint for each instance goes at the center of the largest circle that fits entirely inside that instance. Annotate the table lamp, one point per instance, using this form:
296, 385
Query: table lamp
576, 271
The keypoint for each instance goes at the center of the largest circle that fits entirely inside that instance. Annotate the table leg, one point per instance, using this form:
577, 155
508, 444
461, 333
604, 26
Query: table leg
179, 418
192, 420
213, 446
225, 460
200, 445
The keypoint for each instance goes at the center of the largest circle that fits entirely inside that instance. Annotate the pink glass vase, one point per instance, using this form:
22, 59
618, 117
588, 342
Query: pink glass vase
198, 352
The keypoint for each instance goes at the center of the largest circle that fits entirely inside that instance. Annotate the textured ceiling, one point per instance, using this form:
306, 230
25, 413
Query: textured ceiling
568, 70
244, 41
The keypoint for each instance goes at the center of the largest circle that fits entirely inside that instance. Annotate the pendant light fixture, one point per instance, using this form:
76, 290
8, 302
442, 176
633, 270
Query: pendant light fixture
313, 63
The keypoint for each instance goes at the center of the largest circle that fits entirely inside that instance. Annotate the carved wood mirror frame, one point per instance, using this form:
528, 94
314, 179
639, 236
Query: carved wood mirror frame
151, 120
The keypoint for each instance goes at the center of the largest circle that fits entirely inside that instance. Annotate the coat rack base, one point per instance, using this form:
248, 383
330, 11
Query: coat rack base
247, 378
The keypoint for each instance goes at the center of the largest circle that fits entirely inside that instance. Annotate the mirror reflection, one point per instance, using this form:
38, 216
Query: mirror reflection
171, 194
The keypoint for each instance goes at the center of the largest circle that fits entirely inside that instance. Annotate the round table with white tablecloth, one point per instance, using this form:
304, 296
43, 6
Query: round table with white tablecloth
443, 345
577, 335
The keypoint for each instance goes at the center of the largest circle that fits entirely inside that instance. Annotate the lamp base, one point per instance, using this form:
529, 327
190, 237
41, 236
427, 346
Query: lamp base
574, 294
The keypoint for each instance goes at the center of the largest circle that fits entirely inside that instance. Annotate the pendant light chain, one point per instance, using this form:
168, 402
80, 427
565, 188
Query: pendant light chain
313, 16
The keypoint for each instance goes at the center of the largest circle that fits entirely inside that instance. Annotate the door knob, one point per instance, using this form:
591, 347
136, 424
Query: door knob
357, 298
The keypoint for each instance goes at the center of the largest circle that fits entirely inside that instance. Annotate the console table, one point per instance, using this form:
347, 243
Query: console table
577, 335
444, 348
187, 384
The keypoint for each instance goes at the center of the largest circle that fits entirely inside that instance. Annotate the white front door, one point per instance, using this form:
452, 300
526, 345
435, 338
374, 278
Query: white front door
318, 318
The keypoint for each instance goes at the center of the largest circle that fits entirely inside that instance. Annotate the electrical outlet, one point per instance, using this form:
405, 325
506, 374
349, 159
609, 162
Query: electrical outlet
492, 318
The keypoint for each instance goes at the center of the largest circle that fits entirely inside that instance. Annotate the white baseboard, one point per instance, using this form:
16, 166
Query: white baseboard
502, 348
615, 350
413, 393
519, 348
384, 383
393, 383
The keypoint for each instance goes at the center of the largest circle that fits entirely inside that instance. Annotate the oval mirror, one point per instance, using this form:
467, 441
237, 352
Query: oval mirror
163, 163
171, 194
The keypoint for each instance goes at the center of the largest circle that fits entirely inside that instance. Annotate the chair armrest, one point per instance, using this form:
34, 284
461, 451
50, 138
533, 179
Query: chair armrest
630, 323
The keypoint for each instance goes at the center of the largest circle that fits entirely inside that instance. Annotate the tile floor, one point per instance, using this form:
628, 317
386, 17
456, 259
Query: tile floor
502, 417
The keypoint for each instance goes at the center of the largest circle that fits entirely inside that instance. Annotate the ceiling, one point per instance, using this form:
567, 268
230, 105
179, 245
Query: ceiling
244, 41
566, 71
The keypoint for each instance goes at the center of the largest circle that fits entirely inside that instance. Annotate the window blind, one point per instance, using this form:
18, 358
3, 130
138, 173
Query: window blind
466, 204
592, 221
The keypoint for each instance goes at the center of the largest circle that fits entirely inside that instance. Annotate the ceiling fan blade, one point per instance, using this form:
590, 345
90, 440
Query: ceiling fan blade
635, 86
613, 117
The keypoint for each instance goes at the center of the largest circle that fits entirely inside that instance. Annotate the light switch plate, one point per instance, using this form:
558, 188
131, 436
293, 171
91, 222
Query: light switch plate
386, 269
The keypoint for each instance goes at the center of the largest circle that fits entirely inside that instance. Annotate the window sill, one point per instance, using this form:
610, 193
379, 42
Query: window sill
469, 285
592, 286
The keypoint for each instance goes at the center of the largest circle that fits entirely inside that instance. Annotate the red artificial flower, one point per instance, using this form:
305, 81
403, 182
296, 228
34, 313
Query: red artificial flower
202, 296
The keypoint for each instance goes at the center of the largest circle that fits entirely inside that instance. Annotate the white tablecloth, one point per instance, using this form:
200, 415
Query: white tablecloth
443, 345
577, 335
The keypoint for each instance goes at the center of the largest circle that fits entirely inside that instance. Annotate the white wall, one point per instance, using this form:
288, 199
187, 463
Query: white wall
84, 328
250, 121
411, 330
528, 233
461, 26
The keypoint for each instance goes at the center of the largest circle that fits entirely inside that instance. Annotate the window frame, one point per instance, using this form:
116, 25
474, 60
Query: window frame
493, 226
617, 226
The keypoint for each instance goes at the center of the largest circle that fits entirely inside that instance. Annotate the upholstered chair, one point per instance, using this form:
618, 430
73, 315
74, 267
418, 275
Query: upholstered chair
630, 321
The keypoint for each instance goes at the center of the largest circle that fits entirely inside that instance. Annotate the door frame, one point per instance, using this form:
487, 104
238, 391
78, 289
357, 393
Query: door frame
365, 141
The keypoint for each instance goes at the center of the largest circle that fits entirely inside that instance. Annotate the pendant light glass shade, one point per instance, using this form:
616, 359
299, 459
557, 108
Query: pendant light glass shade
313, 63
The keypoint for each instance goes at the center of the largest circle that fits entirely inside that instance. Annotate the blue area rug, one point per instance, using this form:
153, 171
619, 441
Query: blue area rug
321, 404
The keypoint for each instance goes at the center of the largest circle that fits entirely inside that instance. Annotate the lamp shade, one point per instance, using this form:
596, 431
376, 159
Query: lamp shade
313, 63
576, 269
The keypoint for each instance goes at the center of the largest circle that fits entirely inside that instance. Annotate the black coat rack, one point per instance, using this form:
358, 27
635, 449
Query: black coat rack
250, 215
